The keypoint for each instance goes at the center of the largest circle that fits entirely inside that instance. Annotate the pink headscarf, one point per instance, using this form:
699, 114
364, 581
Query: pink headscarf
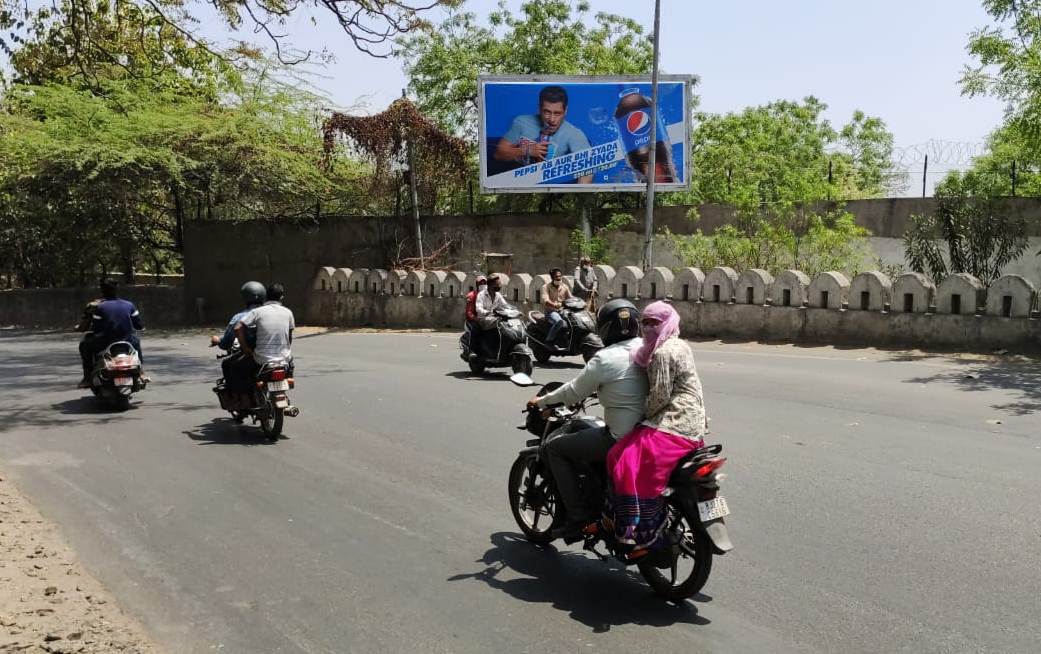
668, 326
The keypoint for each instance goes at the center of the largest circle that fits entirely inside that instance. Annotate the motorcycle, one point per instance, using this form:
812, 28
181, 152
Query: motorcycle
117, 375
506, 345
577, 336
268, 399
694, 529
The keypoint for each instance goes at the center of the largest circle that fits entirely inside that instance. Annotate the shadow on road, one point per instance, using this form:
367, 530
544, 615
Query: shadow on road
1019, 376
89, 405
599, 595
225, 431
466, 375
561, 365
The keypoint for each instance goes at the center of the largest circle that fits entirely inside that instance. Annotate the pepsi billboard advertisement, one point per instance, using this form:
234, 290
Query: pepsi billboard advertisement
573, 134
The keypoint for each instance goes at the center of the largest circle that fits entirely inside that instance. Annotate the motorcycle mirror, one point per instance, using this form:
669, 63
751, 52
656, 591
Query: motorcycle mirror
522, 380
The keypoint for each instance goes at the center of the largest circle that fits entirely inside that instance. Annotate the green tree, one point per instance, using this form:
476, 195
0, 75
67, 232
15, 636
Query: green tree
776, 157
864, 157
972, 229
370, 24
1008, 65
545, 37
112, 178
772, 163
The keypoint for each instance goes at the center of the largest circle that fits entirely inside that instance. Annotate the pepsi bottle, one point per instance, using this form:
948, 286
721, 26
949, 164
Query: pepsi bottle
633, 116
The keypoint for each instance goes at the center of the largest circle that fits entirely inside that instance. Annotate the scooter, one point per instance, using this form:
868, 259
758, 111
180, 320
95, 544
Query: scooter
117, 375
577, 336
504, 346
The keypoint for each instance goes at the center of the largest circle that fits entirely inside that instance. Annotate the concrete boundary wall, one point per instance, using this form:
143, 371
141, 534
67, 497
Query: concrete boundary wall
969, 330
160, 306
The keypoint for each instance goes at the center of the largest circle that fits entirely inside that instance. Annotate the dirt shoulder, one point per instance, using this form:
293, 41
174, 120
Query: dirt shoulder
48, 602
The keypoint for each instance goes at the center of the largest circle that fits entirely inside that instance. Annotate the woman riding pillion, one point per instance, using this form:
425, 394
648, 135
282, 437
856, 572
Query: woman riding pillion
641, 463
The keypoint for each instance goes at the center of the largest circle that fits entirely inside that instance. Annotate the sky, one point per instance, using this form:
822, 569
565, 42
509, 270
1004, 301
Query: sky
899, 60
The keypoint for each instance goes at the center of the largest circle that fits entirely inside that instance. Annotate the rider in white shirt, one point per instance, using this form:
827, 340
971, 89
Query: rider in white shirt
489, 301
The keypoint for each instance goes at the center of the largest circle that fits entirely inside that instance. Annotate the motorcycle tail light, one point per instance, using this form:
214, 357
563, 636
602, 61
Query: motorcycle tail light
278, 374
707, 468
292, 382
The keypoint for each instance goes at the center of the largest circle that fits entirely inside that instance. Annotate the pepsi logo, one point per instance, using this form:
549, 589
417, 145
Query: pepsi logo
638, 123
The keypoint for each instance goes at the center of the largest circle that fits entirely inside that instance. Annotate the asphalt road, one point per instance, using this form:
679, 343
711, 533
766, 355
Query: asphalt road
881, 502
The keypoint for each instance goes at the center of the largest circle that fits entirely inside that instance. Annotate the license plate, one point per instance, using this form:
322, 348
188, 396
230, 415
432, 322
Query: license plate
712, 509
278, 386
124, 381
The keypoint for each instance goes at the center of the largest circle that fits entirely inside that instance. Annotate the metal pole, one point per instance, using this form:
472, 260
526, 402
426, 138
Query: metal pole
415, 196
925, 171
1013, 179
415, 201
587, 229
648, 223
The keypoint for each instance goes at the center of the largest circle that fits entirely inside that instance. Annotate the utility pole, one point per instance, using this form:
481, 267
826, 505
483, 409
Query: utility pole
415, 196
648, 222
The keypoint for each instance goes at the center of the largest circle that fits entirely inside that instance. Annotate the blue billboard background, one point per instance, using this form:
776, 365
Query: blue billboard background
591, 109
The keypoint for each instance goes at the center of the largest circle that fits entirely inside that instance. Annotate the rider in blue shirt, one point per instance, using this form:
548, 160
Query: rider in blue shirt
113, 320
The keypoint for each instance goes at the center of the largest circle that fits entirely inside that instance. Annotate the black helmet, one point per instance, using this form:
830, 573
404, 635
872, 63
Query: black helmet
253, 293
617, 321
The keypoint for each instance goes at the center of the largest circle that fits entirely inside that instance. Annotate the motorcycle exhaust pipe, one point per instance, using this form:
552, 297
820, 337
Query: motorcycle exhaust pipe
292, 411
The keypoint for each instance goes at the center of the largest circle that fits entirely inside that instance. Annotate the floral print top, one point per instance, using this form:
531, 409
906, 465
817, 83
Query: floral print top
675, 403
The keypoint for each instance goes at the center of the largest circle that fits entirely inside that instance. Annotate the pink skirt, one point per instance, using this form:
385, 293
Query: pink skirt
640, 465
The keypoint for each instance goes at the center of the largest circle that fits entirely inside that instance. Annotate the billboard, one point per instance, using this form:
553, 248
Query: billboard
578, 133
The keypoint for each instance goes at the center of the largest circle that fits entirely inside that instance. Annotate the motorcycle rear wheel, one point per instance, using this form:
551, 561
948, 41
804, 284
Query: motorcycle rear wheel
271, 424
534, 504
688, 544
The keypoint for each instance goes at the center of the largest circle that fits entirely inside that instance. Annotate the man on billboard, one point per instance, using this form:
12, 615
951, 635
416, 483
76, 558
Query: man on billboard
539, 137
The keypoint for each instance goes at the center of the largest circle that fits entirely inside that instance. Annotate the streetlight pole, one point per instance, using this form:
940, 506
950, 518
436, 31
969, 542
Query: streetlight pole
648, 222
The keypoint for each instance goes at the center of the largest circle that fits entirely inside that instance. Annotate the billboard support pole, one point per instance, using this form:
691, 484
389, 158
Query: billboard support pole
648, 222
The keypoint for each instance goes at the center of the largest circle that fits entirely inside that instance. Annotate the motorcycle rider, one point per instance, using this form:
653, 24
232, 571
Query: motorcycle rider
489, 301
621, 386
253, 294
472, 330
113, 320
274, 325
553, 295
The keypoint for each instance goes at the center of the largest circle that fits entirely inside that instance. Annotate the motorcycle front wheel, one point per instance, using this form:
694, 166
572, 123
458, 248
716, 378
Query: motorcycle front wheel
682, 568
533, 501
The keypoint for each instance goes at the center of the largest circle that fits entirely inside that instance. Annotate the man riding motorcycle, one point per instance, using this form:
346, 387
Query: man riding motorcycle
254, 295
489, 301
112, 320
274, 325
553, 295
622, 390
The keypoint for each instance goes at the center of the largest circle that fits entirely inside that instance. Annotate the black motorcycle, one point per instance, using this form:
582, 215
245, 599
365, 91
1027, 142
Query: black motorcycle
577, 336
117, 375
504, 346
694, 527
268, 400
